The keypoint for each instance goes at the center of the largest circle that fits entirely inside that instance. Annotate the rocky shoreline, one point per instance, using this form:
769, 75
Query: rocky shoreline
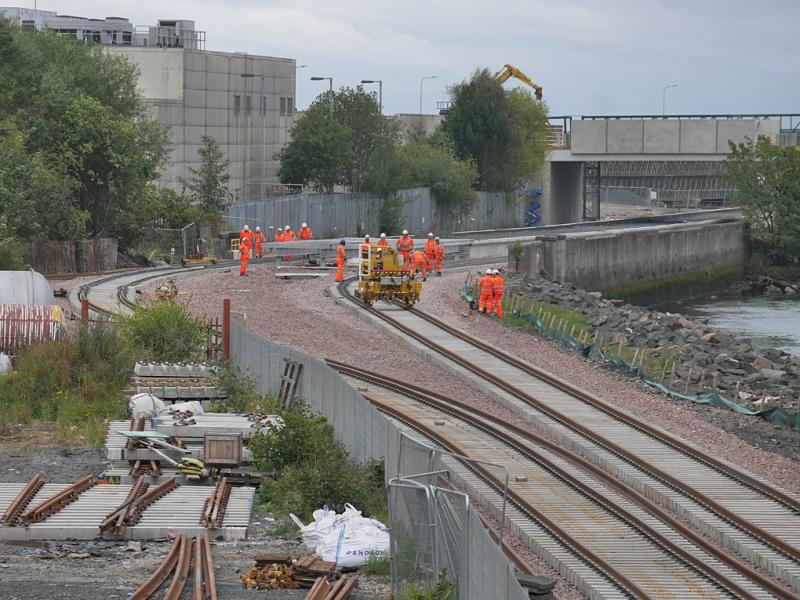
685, 353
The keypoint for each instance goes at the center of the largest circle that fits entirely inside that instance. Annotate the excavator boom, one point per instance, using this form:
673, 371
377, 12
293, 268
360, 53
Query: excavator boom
509, 71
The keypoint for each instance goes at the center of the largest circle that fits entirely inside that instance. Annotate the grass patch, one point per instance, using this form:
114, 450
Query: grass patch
378, 566
285, 531
165, 332
444, 590
313, 470
76, 382
554, 317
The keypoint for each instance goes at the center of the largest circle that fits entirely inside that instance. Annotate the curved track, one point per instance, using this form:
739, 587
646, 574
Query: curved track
747, 515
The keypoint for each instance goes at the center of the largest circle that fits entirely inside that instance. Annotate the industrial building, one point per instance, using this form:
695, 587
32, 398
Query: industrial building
243, 101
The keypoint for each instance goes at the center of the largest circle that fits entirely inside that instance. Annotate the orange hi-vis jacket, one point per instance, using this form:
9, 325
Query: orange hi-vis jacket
498, 284
245, 233
404, 244
486, 285
279, 237
306, 233
430, 248
383, 242
289, 236
244, 248
259, 239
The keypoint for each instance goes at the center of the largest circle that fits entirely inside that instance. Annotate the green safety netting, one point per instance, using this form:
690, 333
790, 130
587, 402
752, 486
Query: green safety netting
773, 415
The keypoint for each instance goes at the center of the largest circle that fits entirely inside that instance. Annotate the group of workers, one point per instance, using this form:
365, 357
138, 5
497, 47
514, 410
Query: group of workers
430, 258
491, 286
250, 242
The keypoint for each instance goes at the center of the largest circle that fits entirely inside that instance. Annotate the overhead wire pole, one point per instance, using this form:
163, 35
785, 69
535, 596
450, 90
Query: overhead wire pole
664, 97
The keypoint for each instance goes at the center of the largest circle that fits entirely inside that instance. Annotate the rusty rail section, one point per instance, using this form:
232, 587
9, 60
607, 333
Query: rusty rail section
115, 522
486, 422
58, 501
215, 505
179, 560
140, 504
14, 511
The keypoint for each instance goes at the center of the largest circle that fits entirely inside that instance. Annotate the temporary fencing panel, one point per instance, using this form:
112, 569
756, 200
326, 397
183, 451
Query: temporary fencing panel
25, 324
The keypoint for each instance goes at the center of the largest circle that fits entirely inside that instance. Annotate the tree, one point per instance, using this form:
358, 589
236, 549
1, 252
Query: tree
85, 147
767, 181
208, 185
503, 132
351, 149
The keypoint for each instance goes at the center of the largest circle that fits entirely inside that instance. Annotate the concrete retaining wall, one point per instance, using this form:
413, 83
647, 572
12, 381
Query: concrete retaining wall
625, 257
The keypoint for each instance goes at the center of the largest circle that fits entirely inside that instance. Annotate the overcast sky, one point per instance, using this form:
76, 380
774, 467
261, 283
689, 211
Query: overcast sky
591, 56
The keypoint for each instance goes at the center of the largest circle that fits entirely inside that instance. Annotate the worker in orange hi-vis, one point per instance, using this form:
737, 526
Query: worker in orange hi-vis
430, 251
246, 233
383, 242
244, 256
363, 247
486, 286
288, 236
405, 245
341, 258
259, 238
279, 235
305, 232
497, 292
439, 255
419, 261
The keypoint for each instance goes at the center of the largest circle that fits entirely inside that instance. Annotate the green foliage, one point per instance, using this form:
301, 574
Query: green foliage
444, 590
208, 185
391, 216
504, 133
767, 181
377, 566
78, 148
517, 251
173, 210
10, 255
241, 395
76, 382
165, 332
313, 469
352, 149
450, 179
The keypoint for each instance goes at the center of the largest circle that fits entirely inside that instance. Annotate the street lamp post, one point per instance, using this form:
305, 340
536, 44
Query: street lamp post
380, 91
330, 93
664, 97
420, 90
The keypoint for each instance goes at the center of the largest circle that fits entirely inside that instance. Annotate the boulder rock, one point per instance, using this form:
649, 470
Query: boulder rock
762, 363
773, 373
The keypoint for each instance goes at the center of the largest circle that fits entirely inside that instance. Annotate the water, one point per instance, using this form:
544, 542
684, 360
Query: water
769, 321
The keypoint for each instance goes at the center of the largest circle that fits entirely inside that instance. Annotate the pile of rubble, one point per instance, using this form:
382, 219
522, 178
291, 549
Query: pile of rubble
692, 354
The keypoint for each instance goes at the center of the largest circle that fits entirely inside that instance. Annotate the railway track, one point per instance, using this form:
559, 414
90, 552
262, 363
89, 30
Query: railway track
178, 561
758, 521
561, 464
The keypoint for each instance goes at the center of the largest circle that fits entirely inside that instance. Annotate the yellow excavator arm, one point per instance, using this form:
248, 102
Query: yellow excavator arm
509, 71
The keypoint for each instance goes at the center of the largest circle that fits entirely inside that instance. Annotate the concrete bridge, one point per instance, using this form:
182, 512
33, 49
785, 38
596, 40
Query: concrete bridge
583, 144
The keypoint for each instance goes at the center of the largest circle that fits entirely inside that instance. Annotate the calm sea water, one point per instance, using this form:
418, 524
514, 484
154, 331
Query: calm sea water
770, 321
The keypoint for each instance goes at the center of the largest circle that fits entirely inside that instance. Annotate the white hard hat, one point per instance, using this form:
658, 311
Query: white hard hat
405, 231
383, 235
430, 234
288, 228
246, 227
496, 272
304, 225
366, 237
436, 238
271, 227
258, 228
488, 271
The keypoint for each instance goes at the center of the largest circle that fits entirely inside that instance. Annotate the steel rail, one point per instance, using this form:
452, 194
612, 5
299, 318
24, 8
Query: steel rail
734, 519
208, 569
56, 502
638, 424
116, 520
480, 419
150, 587
14, 511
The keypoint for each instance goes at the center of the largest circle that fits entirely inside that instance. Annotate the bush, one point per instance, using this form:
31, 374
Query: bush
76, 382
391, 216
165, 332
444, 590
312, 470
241, 395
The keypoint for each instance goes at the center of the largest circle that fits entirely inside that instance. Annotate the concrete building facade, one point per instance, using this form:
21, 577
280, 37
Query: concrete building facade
245, 102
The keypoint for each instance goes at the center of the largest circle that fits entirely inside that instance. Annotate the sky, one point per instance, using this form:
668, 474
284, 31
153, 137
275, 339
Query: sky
592, 57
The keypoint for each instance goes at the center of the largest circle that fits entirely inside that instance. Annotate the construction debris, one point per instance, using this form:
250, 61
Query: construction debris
276, 571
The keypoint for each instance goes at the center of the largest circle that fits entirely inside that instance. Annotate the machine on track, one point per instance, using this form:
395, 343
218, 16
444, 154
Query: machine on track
383, 276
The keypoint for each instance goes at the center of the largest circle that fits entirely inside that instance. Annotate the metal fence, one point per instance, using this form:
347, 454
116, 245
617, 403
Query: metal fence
337, 215
434, 529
